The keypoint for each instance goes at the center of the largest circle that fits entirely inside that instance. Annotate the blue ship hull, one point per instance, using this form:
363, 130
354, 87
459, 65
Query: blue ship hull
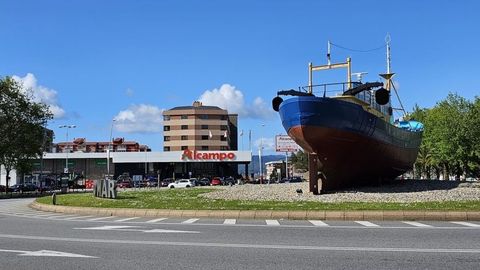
354, 146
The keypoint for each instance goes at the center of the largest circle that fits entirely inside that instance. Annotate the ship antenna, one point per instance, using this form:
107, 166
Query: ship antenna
388, 76
328, 53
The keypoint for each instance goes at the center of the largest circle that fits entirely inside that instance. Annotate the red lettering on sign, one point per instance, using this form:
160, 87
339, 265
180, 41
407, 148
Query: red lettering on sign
194, 155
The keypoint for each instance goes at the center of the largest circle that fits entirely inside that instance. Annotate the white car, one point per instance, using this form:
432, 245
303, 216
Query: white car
183, 183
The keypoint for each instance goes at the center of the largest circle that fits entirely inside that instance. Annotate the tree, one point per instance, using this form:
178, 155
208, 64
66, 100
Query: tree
21, 123
300, 160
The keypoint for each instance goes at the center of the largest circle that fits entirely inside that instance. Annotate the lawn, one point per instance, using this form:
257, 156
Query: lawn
187, 199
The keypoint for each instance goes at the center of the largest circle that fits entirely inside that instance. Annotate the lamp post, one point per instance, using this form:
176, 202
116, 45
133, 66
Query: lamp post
108, 150
260, 156
66, 159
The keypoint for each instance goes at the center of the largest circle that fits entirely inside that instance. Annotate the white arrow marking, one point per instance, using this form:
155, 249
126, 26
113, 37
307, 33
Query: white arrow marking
130, 229
167, 231
107, 228
46, 253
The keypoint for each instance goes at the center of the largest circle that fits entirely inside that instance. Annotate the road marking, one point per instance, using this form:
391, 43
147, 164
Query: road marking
106, 228
248, 246
100, 218
230, 221
367, 224
468, 224
190, 221
417, 224
272, 222
126, 219
318, 223
155, 220
54, 217
46, 253
133, 229
77, 217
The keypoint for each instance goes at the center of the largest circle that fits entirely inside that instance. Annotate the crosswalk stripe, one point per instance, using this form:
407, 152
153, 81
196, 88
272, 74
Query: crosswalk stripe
155, 220
367, 224
272, 222
100, 218
189, 221
230, 221
416, 224
468, 224
126, 219
318, 223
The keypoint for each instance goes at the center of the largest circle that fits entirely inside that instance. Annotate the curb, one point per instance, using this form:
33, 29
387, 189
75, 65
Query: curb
397, 215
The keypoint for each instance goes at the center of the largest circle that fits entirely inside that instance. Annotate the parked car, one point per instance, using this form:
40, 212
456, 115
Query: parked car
204, 182
183, 183
3, 188
194, 181
229, 181
124, 184
216, 181
166, 181
16, 188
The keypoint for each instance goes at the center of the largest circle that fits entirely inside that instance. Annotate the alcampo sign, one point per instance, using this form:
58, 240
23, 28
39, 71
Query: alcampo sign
194, 155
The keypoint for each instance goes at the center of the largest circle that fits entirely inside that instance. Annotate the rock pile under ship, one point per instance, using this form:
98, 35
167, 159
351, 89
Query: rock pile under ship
348, 130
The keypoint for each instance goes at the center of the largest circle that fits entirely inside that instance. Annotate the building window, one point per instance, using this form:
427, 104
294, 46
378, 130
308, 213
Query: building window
184, 138
223, 147
223, 139
184, 147
204, 137
224, 117
184, 126
166, 118
166, 128
204, 126
223, 127
166, 138
204, 147
203, 116
166, 148
184, 117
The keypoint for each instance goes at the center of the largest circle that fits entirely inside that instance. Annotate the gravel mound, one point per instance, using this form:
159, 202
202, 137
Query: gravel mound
401, 191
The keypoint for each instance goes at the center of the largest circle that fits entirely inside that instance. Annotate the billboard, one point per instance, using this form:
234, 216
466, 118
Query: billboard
283, 143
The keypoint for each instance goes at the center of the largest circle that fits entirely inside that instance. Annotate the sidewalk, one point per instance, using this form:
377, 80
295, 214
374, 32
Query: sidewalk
266, 214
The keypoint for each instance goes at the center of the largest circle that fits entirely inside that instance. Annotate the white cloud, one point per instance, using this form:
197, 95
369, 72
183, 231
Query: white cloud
232, 100
141, 118
41, 94
267, 143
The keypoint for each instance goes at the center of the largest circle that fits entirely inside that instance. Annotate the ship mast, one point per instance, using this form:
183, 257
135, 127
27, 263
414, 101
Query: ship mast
388, 76
311, 68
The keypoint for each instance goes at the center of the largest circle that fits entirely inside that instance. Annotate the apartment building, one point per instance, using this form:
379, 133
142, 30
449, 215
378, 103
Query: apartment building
199, 127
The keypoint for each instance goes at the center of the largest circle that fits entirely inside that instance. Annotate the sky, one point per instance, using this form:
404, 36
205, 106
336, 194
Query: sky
94, 61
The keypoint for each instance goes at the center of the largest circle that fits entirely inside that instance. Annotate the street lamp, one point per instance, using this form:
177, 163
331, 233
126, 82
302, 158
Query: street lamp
260, 155
108, 150
66, 159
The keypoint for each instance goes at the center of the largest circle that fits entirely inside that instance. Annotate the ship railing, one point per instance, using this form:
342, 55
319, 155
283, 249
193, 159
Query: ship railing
337, 89
330, 89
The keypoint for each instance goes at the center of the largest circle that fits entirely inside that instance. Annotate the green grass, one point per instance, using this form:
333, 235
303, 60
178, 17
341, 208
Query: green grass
187, 199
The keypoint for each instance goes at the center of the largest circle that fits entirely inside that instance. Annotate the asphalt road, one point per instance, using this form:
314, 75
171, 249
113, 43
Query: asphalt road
31, 240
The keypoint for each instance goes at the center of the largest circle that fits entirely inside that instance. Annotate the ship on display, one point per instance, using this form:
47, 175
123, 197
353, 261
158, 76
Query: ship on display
348, 129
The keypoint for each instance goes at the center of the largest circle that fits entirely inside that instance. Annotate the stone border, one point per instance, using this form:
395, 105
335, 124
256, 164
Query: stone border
266, 214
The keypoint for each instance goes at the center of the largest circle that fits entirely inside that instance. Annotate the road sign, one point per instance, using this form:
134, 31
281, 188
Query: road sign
283, 143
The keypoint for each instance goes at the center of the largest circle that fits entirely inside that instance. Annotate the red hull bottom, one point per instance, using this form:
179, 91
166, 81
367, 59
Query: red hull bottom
347, 159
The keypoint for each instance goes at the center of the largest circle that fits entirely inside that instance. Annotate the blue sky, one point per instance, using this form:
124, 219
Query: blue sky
96, 60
